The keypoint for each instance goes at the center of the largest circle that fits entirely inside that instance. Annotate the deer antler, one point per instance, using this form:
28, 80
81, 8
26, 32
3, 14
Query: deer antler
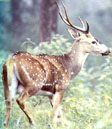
68, 22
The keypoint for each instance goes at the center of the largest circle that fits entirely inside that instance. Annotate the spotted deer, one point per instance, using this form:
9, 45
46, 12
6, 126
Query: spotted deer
49, 75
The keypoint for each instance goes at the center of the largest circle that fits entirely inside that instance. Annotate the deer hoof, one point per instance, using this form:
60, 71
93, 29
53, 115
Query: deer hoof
58, 119
5, 124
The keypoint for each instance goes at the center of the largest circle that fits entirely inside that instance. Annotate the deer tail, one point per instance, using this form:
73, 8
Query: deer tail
7, 94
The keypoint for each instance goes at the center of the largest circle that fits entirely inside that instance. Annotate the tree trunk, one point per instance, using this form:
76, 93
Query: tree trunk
15, 12
48, 19
16, 17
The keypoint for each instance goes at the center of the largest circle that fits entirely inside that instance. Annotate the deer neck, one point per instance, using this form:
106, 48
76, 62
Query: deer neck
75, 59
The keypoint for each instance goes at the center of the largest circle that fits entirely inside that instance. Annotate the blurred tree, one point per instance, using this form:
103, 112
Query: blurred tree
5, 20
16, 15
35, 6
48, 19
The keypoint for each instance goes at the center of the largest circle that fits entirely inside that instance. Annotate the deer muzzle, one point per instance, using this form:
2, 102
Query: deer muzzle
106, 53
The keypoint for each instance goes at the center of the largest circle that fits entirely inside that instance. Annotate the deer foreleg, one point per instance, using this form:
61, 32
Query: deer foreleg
56, 106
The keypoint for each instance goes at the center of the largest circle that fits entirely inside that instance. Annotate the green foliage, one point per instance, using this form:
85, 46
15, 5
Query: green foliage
87, 103
58, 45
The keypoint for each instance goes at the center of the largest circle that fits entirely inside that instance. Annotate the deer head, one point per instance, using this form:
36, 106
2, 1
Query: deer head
82, 36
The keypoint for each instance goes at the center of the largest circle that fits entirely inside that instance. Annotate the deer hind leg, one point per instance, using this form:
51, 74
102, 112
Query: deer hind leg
22, 99
21, 102
57, 113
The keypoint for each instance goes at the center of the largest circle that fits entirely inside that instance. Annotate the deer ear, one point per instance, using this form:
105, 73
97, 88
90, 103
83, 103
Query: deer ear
74, 33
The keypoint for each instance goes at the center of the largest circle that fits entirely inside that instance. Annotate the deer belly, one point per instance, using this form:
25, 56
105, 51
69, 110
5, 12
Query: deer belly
44, 93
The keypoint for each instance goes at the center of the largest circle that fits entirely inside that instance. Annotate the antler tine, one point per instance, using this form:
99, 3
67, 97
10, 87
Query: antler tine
68, 22
87, 30
65, 19
60, 13
83, 26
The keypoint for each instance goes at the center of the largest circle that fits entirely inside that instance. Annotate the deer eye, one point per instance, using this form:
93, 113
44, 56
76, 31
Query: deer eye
94, 42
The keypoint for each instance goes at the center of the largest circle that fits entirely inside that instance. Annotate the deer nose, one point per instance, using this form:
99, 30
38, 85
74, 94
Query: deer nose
106, 53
